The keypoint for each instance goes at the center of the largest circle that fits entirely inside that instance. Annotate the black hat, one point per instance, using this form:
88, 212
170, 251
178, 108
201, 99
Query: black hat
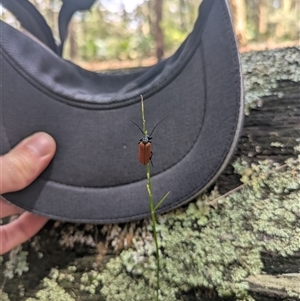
95, 175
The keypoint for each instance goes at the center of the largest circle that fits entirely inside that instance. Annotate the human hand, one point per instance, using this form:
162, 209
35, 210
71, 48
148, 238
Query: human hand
18, 168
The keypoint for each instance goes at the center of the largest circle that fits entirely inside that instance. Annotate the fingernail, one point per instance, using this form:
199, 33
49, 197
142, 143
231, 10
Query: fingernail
40, 144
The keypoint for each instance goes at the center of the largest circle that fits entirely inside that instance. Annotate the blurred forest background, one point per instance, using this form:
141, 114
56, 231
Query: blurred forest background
129, 33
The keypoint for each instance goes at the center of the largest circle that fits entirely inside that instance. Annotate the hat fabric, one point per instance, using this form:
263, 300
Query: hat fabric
95, 175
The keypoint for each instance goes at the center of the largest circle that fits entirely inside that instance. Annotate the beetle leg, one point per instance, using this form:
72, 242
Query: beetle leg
151, 155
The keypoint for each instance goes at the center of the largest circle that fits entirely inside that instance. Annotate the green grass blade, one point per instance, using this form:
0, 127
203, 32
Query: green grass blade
161, 201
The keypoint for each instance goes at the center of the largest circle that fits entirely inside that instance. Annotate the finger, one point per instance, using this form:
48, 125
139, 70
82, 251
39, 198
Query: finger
25, 162
7, 209
20, 230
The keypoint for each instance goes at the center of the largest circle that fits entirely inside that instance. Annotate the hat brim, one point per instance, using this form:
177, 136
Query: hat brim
95, 175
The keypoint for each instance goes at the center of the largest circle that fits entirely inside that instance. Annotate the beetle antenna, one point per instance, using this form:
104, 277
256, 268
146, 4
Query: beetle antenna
137, 127
157, 125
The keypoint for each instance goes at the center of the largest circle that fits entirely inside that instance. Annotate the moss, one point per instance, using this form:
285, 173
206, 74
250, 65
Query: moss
220, 253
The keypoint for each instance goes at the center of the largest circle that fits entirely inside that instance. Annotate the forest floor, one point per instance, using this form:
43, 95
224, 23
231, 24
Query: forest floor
126, 64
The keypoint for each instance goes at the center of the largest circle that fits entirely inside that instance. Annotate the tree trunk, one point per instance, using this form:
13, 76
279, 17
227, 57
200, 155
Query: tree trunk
182, 13
263, 24
238, 8
72, 39
150, 17
281, 26
159, 38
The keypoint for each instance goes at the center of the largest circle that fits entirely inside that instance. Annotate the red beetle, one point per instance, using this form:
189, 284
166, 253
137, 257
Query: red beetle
145, 152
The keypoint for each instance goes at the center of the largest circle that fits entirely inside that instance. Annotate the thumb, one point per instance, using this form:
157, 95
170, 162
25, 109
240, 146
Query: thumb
25, 162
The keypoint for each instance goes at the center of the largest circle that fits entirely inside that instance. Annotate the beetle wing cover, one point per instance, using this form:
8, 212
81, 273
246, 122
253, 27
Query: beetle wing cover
144, 153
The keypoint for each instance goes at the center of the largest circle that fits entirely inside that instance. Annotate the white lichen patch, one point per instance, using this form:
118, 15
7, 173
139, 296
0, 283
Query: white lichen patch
51, 292
264, 70
71, 235
3, 296
221, 253
16, 264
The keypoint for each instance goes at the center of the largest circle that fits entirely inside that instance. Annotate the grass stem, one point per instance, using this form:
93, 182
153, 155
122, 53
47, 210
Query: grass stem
152, 209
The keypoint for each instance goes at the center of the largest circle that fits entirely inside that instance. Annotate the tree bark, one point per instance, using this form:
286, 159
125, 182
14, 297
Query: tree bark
274, 119
274, 287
